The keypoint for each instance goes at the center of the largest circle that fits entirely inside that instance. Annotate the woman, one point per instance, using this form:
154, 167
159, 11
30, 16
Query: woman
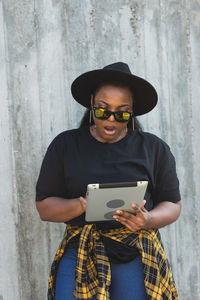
123, 257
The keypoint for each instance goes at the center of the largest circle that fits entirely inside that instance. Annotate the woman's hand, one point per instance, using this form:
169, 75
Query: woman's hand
139, 219
163, 214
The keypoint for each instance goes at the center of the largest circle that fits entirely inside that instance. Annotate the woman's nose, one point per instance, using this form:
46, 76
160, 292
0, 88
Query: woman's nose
111, 118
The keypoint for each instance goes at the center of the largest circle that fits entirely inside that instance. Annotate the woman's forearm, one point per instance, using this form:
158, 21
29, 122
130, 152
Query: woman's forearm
55, 209
164, 214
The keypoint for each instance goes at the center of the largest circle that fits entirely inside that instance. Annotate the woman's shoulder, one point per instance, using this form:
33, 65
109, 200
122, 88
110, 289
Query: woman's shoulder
152, 140
65, 137
151, 137
67, 134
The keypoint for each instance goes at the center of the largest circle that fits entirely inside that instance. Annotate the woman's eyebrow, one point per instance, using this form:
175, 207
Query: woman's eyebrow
102, 101
125, 105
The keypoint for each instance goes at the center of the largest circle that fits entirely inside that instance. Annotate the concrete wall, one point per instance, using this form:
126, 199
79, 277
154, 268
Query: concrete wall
44, 45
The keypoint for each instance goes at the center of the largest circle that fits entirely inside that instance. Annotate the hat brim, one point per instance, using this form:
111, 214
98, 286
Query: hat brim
145, 95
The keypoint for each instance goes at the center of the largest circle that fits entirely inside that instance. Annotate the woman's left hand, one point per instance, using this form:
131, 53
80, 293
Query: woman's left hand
139, 219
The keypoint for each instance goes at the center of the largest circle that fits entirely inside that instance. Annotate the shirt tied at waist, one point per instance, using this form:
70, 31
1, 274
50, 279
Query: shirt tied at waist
93, 274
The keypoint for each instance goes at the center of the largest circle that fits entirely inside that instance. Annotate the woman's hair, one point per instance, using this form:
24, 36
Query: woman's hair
85, 121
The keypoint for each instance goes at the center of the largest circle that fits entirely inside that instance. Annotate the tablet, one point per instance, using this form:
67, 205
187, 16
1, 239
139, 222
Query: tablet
104, 199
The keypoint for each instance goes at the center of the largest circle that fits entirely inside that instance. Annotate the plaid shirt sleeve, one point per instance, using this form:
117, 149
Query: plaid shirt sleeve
93, 274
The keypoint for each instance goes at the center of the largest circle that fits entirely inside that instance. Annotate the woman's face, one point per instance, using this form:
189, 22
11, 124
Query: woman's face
115, 99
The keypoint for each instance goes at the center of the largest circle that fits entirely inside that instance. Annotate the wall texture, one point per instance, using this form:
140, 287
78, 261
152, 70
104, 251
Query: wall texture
44, 45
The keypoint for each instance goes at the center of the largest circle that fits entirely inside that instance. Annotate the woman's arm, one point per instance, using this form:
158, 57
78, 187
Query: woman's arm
55, 209
163, 214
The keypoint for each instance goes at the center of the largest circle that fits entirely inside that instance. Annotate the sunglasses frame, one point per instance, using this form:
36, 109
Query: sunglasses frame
112, 113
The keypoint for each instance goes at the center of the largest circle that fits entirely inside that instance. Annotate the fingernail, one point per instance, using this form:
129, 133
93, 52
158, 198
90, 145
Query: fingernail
118, 212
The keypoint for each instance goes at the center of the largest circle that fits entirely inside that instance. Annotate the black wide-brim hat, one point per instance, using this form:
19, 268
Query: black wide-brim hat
144, 94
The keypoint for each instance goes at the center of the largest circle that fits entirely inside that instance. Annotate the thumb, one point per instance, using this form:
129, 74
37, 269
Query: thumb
83, 203
143, 204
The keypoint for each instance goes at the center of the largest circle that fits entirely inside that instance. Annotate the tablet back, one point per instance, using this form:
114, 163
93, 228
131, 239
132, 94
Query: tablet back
104, 199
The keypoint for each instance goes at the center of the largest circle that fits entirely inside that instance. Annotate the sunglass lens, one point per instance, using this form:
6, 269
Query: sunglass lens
101, 113
126, 116
122, 116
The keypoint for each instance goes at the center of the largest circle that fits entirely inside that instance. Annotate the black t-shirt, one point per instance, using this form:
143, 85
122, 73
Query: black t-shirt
75, 158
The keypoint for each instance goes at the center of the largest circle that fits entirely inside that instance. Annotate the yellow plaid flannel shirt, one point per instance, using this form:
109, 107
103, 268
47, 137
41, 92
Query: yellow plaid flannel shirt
93, 274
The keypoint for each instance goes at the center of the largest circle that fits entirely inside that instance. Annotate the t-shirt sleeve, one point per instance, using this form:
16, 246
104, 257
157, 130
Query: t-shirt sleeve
166, 180
51, 181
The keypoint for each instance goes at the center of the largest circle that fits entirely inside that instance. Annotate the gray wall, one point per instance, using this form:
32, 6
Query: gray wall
44, 45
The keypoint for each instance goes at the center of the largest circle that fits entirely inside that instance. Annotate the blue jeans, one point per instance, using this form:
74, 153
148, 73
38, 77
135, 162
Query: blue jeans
127, 279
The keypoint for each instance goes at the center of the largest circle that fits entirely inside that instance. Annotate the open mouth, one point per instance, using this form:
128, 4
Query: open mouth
109, 130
